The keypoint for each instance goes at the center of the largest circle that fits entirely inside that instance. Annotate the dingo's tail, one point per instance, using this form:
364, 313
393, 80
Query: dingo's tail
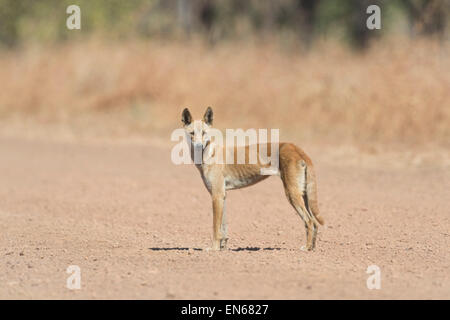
311, 194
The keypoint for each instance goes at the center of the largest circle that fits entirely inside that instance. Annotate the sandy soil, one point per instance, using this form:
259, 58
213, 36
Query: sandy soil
137, 226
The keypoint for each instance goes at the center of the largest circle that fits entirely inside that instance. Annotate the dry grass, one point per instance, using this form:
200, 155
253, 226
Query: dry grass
397, 91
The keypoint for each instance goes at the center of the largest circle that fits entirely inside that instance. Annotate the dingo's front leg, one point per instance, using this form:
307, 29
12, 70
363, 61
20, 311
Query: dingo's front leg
219, 236
224, 227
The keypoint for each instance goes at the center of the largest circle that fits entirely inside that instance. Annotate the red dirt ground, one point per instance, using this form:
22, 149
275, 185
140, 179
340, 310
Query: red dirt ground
115, 210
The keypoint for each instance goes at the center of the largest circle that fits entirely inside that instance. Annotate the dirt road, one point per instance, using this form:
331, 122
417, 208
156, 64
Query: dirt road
137, 226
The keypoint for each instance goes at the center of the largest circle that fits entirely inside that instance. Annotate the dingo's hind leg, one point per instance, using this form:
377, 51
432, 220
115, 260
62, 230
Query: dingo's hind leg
310, 227
293, 175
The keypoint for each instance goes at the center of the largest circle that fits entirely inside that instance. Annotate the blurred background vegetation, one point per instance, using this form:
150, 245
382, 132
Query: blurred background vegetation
218, 20
308, 67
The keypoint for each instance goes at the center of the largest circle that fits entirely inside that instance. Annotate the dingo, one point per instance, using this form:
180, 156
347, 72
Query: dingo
295, 169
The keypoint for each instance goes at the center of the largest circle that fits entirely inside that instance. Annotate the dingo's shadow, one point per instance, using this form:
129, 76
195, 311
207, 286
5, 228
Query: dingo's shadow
174, 249
229, 249
254, 249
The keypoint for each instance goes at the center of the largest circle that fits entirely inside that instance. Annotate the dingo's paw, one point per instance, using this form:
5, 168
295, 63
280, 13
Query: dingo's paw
215, 246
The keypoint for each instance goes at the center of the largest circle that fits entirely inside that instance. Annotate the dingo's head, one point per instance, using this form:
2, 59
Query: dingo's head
197, 132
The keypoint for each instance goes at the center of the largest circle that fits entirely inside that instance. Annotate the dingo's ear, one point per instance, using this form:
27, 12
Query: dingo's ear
208, 117
186, 117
